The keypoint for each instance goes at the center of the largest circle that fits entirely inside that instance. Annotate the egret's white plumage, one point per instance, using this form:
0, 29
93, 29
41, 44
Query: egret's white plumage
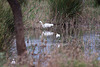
57, 35
13, 61
58, 46
47, 33
46, 25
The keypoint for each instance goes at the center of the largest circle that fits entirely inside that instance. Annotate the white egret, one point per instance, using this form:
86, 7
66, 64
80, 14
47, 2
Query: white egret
58, 46
47, 33
46, 25
57, 35
13, 61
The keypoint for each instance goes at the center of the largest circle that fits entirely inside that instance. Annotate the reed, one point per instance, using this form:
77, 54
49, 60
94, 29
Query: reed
97, 2
65, 7
6, 24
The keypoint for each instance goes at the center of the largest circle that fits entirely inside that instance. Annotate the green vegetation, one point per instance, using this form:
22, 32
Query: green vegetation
65, 7
97, 2
84, 13
6, 25
79, 64
3, 58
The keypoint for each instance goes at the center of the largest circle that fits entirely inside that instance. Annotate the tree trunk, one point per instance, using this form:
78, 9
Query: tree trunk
18, 24
69, 25
64, 32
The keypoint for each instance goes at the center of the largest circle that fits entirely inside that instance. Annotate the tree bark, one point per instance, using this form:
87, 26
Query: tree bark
18, 24
69, 26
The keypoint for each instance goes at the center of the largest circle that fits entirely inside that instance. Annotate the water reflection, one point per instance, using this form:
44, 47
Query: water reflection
92, 42
41, 39
40, 43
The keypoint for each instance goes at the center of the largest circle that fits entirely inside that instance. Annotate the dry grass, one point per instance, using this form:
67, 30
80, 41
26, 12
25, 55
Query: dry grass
70, 54
36, 11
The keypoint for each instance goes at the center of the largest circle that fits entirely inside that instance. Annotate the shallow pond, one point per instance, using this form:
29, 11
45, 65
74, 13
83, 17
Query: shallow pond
38, 38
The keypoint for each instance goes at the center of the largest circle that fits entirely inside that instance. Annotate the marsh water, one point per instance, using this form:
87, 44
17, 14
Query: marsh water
37, 38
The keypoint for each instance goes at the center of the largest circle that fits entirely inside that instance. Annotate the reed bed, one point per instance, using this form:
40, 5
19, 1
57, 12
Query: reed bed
70, 54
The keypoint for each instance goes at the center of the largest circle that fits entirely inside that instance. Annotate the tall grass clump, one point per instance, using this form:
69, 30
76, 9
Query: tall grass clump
6, 30
66, 12
65, 7
6, 25
97, 2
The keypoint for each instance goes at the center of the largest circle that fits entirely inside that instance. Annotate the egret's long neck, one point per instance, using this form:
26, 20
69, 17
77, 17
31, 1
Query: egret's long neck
41, 23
